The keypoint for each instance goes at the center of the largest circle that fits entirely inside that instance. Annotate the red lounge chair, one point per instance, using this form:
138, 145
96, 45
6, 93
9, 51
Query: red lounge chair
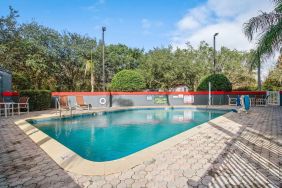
80, 103
64, 104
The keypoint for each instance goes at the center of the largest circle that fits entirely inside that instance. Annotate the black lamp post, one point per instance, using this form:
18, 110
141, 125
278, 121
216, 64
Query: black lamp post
103, 56
214, 53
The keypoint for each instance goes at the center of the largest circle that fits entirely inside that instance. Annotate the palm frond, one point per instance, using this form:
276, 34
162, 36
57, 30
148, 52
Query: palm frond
277, 1
261, 23
89, 67
278, 8
271, 40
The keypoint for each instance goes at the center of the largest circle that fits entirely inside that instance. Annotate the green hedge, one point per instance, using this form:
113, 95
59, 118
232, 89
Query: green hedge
38, 99
246, 88
219, 82
128, 80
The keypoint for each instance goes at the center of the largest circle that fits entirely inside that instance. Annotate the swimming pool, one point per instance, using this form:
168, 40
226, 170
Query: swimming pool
112, 135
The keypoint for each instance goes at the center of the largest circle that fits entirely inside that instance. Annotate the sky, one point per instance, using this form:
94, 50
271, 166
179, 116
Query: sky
147, 23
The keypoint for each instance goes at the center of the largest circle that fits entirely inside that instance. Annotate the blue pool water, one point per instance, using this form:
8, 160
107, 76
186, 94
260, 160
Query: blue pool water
113, 135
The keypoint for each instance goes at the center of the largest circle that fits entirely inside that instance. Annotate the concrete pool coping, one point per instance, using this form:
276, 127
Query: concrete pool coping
70, 161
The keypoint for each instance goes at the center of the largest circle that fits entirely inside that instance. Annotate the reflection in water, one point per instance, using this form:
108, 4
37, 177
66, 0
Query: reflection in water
149, 117
92, 134
120, 133
58, 129
68, 127
185, 116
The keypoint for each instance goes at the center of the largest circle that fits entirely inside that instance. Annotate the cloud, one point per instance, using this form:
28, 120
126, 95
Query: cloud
188, 22
230, 8
225, 17
92, 8
95, 7
194, 19
148, 25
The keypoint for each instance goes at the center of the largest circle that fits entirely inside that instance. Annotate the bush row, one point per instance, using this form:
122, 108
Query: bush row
38, 99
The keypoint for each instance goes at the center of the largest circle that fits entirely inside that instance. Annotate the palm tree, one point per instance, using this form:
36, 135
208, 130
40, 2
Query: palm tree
90, 68
266, 28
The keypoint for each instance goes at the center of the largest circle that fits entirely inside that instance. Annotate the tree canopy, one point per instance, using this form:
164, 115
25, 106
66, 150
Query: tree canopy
42, 58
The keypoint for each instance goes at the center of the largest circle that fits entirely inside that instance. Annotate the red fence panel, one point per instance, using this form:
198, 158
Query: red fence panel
9, 94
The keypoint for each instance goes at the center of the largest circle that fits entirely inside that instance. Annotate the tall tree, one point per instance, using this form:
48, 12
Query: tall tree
267, 27
90, 68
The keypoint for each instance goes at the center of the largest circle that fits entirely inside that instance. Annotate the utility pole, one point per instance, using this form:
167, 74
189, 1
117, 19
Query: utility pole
214, 53
103, 57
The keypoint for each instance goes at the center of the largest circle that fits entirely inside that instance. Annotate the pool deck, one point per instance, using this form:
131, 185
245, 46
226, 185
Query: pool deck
235, 149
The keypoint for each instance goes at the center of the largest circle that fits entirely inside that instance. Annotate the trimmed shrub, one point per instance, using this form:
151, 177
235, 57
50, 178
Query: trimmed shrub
219, 82
38, 99
128, 80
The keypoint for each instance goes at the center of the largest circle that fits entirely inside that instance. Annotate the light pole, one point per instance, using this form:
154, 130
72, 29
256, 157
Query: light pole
214, 53
103, 56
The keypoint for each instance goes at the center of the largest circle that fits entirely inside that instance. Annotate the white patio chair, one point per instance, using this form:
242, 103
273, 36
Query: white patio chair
6, 108
261, 101
232, 101
22, 104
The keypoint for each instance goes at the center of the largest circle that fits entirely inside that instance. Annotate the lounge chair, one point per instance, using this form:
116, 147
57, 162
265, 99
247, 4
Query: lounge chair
81, 104
63, 103
6, 107
232, 101
246, 103
22, 104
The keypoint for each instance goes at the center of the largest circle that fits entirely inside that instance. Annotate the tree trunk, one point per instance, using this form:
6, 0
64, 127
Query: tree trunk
92, 81
259, 76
